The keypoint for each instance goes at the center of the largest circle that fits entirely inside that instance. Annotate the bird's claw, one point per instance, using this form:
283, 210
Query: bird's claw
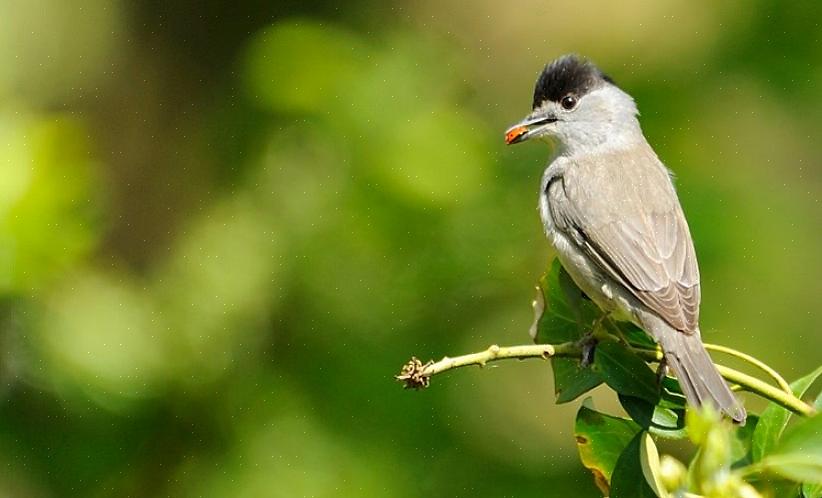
588, 345
661, 371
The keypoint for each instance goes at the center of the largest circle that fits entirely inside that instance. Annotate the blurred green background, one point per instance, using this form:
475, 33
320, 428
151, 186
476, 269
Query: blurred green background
224, 227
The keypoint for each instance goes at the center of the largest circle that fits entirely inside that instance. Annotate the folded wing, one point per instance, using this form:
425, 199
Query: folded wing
636, 234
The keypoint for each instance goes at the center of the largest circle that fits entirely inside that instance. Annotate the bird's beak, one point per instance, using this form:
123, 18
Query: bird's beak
526, 129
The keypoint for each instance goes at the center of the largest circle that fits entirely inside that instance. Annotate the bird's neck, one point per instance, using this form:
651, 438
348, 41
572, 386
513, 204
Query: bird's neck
601, 138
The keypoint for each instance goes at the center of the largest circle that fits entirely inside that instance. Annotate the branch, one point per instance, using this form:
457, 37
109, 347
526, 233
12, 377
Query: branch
417, 375
783, 384
748, 383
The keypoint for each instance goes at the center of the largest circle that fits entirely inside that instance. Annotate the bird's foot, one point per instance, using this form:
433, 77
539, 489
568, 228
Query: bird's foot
587, 344
661, 371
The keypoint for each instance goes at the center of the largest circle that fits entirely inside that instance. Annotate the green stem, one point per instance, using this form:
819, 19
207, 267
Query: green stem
748, 383
753, 361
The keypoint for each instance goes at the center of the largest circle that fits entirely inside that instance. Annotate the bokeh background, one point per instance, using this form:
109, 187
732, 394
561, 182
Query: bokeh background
225, 226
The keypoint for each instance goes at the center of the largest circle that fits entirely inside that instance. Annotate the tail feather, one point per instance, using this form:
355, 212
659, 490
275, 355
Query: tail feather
698, 377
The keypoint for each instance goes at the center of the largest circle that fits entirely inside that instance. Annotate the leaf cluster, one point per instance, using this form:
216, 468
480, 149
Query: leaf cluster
769, 456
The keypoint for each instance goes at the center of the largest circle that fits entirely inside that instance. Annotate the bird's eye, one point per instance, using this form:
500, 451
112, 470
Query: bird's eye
568, 102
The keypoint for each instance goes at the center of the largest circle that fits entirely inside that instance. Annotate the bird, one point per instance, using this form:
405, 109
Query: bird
610, 209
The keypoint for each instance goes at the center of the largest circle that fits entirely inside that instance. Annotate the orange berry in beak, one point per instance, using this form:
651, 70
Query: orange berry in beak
514, 133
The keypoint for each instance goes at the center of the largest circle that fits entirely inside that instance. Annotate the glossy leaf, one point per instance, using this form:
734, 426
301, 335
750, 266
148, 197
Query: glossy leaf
774, 419
628, 480
572, 380
625, 372
566, 315
663, 419
600, 440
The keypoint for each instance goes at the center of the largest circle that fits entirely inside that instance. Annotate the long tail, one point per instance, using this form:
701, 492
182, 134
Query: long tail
698, 377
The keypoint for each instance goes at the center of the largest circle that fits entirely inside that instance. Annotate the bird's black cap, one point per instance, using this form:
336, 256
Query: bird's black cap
568, 74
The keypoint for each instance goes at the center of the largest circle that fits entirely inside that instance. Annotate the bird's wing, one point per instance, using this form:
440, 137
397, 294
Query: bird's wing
623, 212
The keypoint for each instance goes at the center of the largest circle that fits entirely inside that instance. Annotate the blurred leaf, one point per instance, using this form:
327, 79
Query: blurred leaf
712, 434
798, 456
566, 316
289, 454
628, 480
433, 155
661, 419
301, 65
101, 334
51, 217
774, 419
216, 313
798, 467
625, 372
812, 490
410, 74
29, 65
672, 474
700, 421
775, 486
601, 439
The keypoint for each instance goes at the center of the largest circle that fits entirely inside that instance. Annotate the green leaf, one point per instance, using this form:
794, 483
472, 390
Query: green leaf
674, 391
812, 490
571, 380
600, 440
628, 480
796, 467
663, 419
742, 441
625, 372
798, 456
777, 487
565, 315
635, 335
649, 461
774, 419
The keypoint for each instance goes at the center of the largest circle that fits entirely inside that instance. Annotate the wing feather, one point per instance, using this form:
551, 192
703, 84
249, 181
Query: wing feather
637, 234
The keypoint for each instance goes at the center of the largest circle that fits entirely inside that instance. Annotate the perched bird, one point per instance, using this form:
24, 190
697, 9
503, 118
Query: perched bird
610, 209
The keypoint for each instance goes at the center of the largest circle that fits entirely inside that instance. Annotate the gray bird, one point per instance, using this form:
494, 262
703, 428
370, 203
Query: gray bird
611, 211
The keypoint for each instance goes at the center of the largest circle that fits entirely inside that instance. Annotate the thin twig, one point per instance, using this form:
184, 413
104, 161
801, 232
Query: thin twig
417, 375
753, 361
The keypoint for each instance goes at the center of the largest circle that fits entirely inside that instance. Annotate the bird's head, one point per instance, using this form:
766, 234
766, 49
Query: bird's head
576, 105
